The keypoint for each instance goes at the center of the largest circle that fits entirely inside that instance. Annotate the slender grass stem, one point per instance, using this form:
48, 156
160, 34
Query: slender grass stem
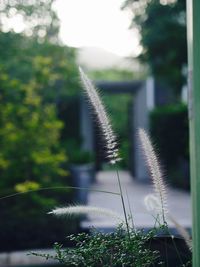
130, 212
123, 203
59, 187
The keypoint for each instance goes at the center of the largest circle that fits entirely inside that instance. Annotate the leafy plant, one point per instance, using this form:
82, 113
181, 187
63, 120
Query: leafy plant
104, 250
167, 60
30, 159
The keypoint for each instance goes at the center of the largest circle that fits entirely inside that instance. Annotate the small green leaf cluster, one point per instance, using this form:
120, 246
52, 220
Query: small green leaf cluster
107, 249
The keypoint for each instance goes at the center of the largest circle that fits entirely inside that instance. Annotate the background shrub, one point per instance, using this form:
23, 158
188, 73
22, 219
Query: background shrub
33, 79
169, 130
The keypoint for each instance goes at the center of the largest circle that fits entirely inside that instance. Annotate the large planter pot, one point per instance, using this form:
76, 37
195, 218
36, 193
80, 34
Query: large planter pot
82, 176
173, 251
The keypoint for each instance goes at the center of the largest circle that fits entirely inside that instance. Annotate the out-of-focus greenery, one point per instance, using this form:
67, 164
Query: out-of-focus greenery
50, 66
169, 130
120, 116
37, 77
30, 159
37, 18
76, 154
162, 29
29, 132
112, 75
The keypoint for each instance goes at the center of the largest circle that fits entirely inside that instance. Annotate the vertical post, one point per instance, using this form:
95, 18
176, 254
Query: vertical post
193, 27
143, 103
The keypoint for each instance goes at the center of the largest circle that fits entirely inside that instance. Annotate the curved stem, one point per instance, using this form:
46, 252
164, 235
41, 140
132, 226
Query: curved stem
59, 187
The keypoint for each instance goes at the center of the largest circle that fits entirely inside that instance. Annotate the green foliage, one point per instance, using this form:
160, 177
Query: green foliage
38, 18
118, 249
163, 38
169, 130
81, 156
49, 66
30, 159
119, 115
29, 135
112, 75
34, 78
105, 250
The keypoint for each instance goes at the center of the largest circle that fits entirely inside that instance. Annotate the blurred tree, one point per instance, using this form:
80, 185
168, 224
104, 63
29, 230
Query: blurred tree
47, 74
36, 74
112, 74
36, 18
31, 158
29, 134
52, 66
162, 26
53, 70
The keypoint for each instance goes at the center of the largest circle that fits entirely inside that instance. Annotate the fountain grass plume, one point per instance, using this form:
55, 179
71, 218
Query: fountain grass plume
182, 231
102, 117
83, 210
154, 169
106, 128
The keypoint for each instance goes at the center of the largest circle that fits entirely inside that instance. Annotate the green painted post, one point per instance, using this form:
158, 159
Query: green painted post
193, 23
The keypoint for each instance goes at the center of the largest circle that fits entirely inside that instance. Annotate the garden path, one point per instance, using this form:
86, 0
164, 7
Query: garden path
178, 202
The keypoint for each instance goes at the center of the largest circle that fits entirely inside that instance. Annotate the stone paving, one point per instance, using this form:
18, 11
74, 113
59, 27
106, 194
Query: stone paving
22, 259
178, 202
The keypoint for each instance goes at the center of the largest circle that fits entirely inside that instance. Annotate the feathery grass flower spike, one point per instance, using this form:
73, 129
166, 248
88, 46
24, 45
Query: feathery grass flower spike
82, 210
105, 126
182, 231
103, 119
155, 170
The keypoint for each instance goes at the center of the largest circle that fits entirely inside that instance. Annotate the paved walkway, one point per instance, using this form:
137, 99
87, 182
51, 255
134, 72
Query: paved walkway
178, 201
21, 259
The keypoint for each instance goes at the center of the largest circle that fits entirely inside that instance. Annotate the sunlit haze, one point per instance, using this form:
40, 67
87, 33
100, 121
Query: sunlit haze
97, 23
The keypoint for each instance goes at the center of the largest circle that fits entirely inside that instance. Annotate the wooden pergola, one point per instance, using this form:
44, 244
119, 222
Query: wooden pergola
193, 36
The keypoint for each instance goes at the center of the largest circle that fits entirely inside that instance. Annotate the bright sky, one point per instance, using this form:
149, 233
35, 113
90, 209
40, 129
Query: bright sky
98, 23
